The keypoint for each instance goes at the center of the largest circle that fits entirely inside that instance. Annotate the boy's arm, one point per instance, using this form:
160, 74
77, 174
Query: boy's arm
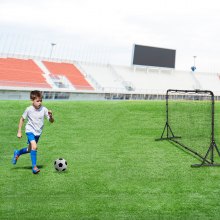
51, 119
21, 122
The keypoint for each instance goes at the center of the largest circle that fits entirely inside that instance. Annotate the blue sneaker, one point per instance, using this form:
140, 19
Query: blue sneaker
15, 157
35, 170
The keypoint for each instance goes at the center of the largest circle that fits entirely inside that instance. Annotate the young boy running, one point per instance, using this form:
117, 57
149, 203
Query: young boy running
35, 115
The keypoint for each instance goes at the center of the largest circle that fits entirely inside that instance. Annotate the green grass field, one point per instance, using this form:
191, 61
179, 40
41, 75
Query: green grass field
115, 168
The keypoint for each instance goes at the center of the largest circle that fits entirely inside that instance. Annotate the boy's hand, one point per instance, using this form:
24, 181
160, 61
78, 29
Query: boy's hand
19, 135
51, 116
50, 113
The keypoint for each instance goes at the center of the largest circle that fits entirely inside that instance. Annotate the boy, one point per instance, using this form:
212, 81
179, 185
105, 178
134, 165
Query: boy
35, 122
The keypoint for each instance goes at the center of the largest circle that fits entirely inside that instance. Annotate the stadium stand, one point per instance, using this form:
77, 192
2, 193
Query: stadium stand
70, 72
151, 81
105, 76
208, 81
78, 80
21, 73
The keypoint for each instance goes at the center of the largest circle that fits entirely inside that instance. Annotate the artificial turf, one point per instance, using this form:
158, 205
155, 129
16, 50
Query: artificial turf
116, 170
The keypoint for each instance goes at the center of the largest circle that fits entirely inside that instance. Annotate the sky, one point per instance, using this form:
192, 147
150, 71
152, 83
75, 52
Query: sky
105, 31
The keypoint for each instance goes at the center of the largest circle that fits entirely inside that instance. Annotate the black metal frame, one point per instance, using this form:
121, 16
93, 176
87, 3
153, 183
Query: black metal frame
171, 137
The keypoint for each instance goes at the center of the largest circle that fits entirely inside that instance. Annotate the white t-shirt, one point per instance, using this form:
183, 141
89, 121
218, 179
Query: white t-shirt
35, 119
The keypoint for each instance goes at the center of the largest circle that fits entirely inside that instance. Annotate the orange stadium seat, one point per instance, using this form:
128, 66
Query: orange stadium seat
20, 72
70, 72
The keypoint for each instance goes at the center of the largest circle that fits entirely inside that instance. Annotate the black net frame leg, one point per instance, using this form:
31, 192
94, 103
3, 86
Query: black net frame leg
210, 151
168, 137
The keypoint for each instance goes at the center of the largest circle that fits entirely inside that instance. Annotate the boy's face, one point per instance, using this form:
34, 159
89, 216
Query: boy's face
37, 102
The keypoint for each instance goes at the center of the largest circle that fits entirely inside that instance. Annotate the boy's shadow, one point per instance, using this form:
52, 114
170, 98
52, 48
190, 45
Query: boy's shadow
27, 167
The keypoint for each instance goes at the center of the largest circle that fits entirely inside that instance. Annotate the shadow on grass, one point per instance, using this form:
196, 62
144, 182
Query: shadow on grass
193, 155
61, 172
186, 151
26, 167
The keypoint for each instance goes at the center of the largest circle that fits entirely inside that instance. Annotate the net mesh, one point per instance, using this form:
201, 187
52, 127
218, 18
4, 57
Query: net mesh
190, 119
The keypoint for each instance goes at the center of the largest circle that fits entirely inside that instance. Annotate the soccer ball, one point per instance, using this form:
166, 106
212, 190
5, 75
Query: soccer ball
60, 164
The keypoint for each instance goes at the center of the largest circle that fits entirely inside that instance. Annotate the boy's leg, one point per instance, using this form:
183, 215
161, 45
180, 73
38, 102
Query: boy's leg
34, 156
15, 157
24, 150
18, 153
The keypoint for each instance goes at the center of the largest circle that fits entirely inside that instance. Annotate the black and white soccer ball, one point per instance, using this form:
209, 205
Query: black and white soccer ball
60, 164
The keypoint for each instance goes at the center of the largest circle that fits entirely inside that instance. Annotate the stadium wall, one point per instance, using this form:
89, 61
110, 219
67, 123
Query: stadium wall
51, 94
24, 94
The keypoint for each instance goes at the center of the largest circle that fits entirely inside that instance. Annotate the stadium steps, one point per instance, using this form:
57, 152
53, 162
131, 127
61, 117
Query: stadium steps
56, 81
127, 84
105, 77
70, 72
89, 77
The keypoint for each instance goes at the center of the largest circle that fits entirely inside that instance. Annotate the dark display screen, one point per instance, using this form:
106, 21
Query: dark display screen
154, 56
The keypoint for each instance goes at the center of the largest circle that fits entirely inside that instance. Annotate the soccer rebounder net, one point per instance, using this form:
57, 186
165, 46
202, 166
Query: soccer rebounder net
190, 123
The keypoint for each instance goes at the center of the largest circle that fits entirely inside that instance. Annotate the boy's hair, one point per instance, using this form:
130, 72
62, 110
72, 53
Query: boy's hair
35, 94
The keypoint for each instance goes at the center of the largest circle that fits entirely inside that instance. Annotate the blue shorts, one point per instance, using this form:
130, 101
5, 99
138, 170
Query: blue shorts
32, 137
